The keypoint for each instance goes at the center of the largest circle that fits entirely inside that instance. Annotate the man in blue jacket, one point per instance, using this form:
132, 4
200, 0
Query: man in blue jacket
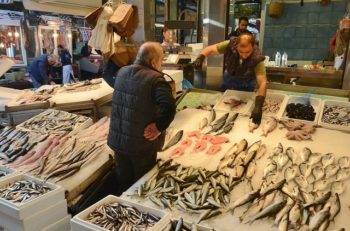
66, 61
38, 69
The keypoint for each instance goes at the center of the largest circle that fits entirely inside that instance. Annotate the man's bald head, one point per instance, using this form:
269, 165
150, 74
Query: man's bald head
150, 53
245, 45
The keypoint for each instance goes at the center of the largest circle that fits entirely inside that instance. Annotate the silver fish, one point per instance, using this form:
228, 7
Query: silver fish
295, 216
269, 210
282, 160
301, 181
284, 211
244, 199
319, 218
318, 172
278, 149
320, 185
305, 154
272, 166
344, 162
331, 170
318, 201
324, 226
212, 116
335, 207
306, 216
327, 159
338, 187
305, 169
343, 174
314, 158
283, 224
174, 140
291, 172
292, 154
272, 187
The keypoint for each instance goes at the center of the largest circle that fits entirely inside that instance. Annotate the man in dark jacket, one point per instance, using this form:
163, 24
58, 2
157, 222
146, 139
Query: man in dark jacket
244, 68
38, 69
142, 108
242, 28
66, 61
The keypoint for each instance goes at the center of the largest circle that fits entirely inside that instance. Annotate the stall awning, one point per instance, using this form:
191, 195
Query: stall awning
73, 7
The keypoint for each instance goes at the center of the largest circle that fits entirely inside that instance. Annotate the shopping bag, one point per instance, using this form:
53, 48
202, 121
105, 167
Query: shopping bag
92, 17
120, 17
124, 53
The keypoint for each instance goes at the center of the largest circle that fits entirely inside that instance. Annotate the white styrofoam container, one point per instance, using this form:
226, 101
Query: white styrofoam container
10, 172
78, 222
284, 99
333, 126
177, 76
238, 95
315, 103
61, 225
38, 221
21, 211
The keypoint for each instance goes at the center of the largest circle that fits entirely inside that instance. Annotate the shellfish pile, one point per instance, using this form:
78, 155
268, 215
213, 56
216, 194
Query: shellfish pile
337, 115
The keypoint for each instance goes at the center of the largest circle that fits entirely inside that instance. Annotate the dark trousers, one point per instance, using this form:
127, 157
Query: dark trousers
132, 166
110, 71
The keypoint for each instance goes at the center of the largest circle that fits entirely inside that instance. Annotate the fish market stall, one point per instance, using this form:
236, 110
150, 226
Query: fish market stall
289, 164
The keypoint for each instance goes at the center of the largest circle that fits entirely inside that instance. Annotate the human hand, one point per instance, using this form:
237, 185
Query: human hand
151, 132
257, 111
198, 63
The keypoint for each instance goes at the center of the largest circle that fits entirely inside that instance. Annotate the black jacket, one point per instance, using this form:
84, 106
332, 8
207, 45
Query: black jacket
141, 96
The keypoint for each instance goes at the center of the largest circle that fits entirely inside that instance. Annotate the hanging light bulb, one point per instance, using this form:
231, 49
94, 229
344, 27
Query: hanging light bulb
55, 35
69, 35
16, 34
2, 45
9, 33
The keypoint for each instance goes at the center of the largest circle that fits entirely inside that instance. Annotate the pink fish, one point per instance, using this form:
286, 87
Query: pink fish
214, 149
207, 137
196, 134
219, 140
200, 145
179, 151
187, 142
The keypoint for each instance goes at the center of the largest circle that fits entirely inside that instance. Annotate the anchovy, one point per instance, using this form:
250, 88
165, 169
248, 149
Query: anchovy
317, 220
272, 188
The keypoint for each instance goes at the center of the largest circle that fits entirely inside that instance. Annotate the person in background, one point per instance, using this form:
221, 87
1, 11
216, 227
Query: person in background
242, 28
142, 109
244, 68
66, 61
38, 69
169, 38
85, 50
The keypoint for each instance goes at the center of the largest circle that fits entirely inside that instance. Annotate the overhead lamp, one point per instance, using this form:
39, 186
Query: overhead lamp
69, 35
16, 34
9, 33
55, 35
2, 45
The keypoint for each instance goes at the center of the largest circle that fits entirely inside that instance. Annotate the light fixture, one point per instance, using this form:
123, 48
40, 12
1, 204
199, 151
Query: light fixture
55, 35
9, 33
2, 45
69, 35
16, 34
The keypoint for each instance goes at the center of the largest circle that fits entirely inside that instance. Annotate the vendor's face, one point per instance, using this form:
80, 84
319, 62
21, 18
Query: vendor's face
243, 25
166, 36
245, 50
157, 63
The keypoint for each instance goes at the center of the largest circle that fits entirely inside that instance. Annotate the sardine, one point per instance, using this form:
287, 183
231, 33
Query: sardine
335, 207
283, 224
317, 220
295, 216
244, 199
318, 201
174, 140
269, 211
289, 205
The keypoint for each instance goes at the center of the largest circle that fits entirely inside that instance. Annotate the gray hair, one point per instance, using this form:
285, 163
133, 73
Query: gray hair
52, 57
147, 52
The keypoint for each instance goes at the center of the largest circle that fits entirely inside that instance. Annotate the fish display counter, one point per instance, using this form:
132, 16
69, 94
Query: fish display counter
217, 171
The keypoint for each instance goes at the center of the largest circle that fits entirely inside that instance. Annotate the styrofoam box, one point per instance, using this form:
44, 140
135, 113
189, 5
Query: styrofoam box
333, 126
177, 76
40, 220
315, 103
78, 222
10, 172
21, 211
61, 225
278, 114
238, 95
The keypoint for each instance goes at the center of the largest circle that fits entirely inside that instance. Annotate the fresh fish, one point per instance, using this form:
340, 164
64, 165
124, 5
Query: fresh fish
301, 181
284, 211
272, 166
212, 116
314, 158
174, 140
324, 226
318, 172
291, 190
338, 187
242, 145
199, 146
269, 125
295, 216
255, 146
214, 149
219, 140
283, 224
231, 152
318, 201
307, 197
252, 125
335, 207
178, 151
269, 210
305, 154
305, 169
327, 159
320, 185
344, 162
260, 152
278, 149
231, 119
221, 121
272, 188
291, 172
319, 218
305, 217
251, 170
248, 158
244, 199
187, 142
203, 123
343, 174
282, 160
292, 154
331, 170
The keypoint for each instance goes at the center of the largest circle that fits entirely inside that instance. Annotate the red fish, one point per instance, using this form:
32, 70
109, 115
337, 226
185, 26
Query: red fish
179, 151
214, 149
207, 137
196, 134
200, 145
219, 140
187, 142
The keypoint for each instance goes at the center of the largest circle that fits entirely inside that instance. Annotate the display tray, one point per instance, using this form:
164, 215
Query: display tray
194, 98
23, 210
243, 109
332, 103
315, 103
9, 172
281, 98
78, 222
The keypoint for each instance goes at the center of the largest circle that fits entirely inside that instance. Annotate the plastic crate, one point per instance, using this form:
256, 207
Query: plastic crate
40, 220
61, 225
78, 222
283, 98
315, 103
9, 171
21, 211
333, 126
238, 95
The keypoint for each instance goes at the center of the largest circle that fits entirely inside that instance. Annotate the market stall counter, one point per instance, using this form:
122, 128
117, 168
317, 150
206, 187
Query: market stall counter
233, 178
